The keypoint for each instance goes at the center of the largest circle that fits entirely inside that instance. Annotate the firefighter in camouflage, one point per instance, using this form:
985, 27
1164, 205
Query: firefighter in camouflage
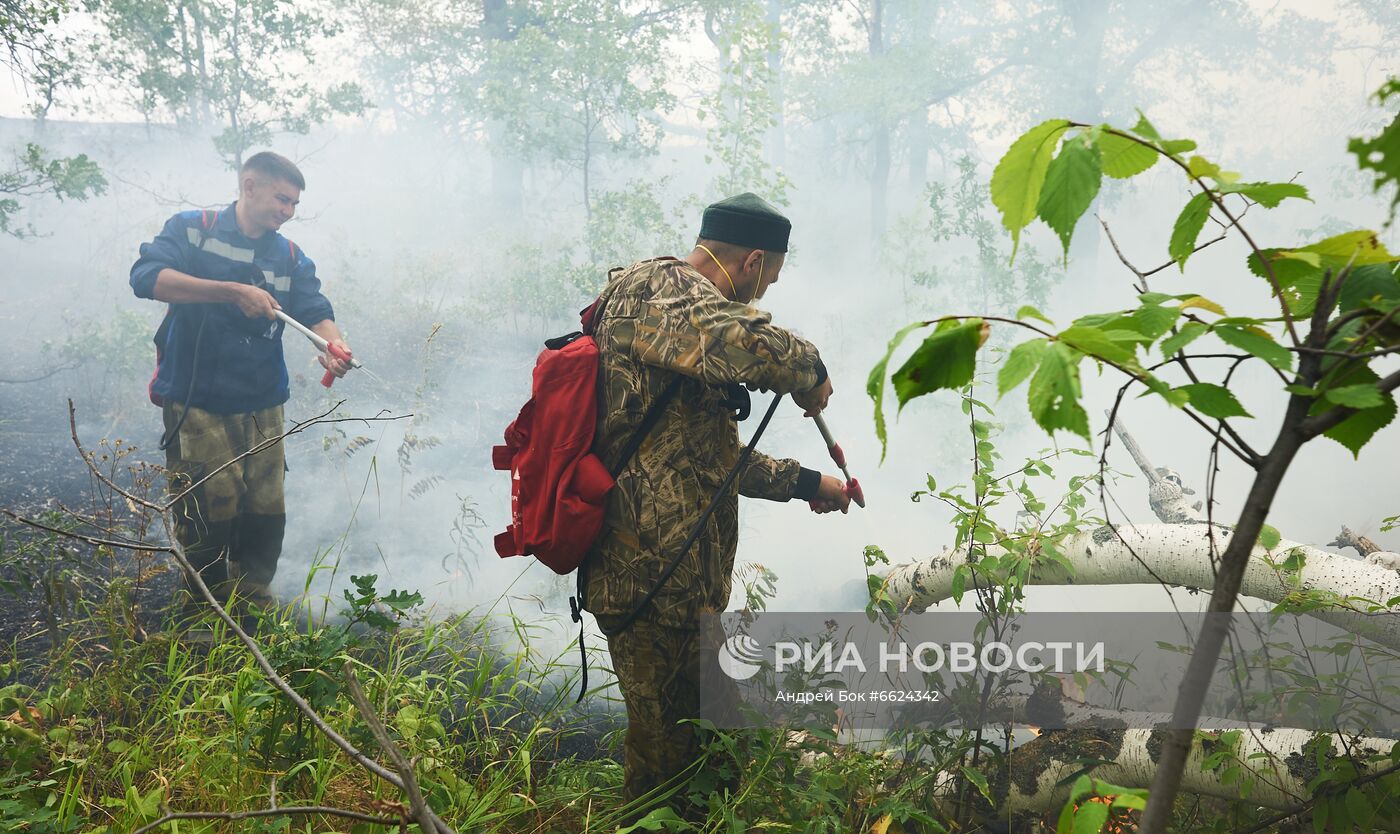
690, 317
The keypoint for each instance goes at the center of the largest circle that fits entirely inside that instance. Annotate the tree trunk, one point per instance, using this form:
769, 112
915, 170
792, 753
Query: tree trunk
880, 144
919, 141
777, 139
1233, 565
507, 169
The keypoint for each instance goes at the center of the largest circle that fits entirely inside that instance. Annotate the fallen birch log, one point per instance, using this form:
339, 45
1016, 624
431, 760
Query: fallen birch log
1178, 555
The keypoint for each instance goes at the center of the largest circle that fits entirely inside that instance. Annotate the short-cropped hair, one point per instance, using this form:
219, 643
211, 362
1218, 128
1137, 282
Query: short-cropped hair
274, 166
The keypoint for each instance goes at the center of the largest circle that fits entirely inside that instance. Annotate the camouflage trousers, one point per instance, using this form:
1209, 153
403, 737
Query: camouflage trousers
663, 672
231, 525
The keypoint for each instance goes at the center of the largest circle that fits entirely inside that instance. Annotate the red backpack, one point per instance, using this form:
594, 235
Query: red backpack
558, 486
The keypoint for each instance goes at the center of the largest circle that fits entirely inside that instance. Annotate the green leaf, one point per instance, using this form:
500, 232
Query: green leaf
1018, 177
1199, 166
1357, 430
1096, 342
959, 583
1152, 320
1177, 146
1071, 183
1083, 786
1213, 400
1187, 228
1053, 396
1145, 129
1266, 194
1381, 153
1370, 283
1269, 537
1358, 806
1360, 247
1189, 332
1256, 344
946, 359
1131, 801
1356, 396
1203, 303
875, 383
1090, 818
976, 778
1029, 312
1020, 363
1363, 243
1123, 157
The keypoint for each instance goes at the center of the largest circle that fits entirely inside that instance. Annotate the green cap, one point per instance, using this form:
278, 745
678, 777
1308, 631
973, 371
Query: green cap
746, 220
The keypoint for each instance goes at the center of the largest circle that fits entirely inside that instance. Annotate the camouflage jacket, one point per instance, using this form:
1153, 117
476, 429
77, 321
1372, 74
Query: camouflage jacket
662, 318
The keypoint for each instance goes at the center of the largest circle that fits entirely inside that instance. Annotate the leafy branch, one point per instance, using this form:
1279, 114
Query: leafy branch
1344, 290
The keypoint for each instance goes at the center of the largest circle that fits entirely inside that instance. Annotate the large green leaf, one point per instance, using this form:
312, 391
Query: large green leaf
1358, 429
1071, 183
1360, 247
1053, 396
1187, 228
875, 383
946, 359
1124, 157
1299, 271
1369, 284
1018, 177
1020, 363
1213, 400
1256, 344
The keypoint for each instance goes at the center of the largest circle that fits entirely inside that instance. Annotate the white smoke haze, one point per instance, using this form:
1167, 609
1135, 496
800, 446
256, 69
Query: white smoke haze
446, 297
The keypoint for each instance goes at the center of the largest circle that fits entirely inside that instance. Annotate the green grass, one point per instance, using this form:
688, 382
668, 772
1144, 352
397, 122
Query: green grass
120, 726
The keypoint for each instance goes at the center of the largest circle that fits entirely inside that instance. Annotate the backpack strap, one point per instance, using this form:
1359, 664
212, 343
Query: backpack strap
699, 525
649, 421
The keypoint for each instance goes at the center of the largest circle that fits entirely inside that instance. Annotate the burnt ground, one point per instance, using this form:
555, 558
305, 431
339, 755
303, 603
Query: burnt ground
45, 580
50, 585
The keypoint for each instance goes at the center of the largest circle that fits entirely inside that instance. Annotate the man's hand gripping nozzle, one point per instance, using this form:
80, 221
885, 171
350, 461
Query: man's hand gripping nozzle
322, 345
853, 489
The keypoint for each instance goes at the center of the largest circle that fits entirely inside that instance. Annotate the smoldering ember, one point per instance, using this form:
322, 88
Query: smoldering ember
438, 416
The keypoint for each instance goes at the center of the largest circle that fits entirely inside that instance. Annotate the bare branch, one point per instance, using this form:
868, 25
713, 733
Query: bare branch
45, 375
319, 419
401, 762
73, 432
197, 581
232, 816
89, 539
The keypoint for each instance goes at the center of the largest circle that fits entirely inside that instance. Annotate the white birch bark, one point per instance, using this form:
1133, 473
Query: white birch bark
1278, 763
1177, 555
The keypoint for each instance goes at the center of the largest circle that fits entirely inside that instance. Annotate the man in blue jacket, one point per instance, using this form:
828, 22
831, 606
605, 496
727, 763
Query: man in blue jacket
221, 378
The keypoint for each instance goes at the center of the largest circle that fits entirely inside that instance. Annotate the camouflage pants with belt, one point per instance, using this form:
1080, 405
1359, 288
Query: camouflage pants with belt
231, 525
664, 672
